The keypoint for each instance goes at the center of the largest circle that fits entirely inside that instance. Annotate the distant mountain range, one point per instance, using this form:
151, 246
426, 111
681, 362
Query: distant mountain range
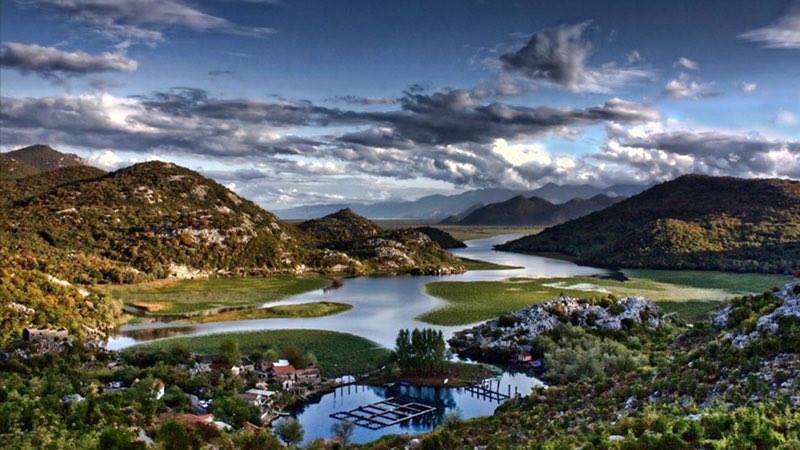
692, 222
438, 207
533, 211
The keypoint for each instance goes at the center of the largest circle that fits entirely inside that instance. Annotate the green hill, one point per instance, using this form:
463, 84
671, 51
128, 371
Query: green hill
337, 230
12, 169
692, 222
22, 188
158, 218
44, 158
351, 243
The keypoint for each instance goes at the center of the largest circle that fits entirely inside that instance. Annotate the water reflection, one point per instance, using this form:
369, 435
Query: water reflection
316, 420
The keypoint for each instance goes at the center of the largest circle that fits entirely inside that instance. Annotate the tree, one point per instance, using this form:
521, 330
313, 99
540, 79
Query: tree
270, 355
343, 430
230, 351
420, 351
116, 438
290, 431
175, 436
295, 356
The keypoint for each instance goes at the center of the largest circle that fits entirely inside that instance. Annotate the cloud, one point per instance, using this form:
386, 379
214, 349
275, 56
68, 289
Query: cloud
748, 88
784, 33
173, 122
54, 64
220, 73
447, 135
558, 57
662, 153
106, 160
634, 57
454, 116
685, 87
144, 20
785, 118
296, 151
684, 63
102, 85
358, 100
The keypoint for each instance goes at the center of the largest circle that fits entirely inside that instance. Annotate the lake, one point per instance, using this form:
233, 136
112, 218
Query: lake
381, 307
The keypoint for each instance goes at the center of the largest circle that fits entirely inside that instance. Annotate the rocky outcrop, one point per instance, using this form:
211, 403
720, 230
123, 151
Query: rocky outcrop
510, 335
788, 306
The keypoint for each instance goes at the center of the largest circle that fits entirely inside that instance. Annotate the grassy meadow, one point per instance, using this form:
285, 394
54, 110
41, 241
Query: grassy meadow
304, 310
691, 295
337, 353
170, 297
732, 283
474, 264
469, 232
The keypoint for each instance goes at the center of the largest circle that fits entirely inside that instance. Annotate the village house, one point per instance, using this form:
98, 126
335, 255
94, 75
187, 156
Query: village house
309, 375
242, 369
46, 340
279, 370
260, 398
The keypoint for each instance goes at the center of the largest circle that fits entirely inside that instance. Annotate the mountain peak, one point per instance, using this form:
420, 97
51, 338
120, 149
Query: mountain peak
45, 158
342, 226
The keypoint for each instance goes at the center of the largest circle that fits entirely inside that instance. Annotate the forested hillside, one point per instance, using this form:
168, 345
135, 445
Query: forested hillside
692, 222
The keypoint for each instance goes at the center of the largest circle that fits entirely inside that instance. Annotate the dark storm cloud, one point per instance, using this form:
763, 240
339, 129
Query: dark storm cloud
558, 56
52, 63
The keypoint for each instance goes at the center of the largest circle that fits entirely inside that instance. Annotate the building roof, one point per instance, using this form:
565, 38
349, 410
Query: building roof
284, 370
263, 392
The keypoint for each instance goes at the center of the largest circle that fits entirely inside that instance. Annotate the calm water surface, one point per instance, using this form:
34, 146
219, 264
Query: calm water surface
381, 307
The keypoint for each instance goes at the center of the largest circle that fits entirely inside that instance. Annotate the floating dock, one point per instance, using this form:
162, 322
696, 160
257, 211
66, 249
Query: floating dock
384, 413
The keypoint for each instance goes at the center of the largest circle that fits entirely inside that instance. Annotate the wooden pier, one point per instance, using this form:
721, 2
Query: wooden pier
487, 390
384, 413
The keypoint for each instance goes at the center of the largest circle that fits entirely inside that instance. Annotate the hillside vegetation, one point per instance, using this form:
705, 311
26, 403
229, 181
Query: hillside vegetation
692, 222
44, 158
729, 383
12, 169
351, 243
80, 226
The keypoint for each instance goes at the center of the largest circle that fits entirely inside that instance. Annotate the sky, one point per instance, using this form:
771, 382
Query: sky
293, 102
